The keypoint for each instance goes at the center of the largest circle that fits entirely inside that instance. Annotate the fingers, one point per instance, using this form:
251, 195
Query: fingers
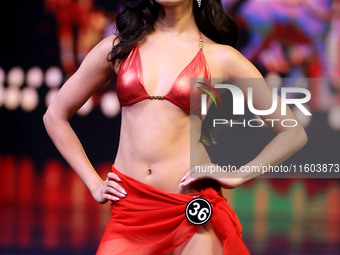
191, 176
110, 197
186, 179
113, 177
187, 174
115, 188
187, 182
111, 189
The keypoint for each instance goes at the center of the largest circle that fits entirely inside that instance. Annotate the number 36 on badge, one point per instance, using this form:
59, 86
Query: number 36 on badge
198, 211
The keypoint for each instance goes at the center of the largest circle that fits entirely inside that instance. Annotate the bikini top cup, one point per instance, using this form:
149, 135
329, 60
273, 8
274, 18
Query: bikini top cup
130, 88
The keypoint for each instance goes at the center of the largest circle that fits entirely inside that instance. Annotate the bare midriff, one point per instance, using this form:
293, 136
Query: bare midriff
155, 146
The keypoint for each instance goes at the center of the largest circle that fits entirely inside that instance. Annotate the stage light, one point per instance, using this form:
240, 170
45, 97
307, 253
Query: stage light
12, 98
29, 99
86, 108
50, 96
110, 105
53, 77
16, 77
34, 77
334, 118
304, 119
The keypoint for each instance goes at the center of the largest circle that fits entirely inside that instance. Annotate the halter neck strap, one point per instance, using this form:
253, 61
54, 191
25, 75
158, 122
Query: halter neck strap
201, 40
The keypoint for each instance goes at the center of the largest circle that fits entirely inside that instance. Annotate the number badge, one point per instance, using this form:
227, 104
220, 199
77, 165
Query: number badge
198, 211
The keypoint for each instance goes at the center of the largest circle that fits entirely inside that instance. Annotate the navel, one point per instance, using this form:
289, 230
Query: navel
149, 171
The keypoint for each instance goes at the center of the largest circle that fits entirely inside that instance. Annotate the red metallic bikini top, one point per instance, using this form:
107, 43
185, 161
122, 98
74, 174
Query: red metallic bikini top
130, 88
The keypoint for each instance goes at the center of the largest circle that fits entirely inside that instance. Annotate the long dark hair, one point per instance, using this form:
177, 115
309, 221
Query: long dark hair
136, 19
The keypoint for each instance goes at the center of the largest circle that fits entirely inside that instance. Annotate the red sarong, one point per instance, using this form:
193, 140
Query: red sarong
151, 221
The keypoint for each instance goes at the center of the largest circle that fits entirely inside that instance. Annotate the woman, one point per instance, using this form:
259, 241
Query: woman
150, 184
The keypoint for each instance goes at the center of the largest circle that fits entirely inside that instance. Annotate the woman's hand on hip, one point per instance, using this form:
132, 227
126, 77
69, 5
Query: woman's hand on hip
227, 180
109, 190
192, 175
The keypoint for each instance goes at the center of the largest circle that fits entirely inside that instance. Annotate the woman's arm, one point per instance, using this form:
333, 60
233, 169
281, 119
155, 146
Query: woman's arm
287, 141
94, 71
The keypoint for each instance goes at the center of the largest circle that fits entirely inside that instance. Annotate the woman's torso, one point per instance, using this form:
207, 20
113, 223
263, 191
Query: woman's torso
159, 140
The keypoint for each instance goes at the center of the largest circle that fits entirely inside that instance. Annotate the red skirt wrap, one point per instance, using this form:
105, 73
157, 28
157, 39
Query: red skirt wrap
151, 221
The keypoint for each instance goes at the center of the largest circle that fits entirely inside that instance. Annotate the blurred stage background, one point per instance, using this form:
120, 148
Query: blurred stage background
45, 209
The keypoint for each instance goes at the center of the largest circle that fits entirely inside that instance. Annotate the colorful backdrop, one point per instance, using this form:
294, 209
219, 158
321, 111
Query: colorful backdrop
44, 207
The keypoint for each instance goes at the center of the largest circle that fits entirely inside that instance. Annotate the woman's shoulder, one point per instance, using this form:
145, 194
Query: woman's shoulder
101, 51
97, 58
224, 53
107, 43
228, 60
